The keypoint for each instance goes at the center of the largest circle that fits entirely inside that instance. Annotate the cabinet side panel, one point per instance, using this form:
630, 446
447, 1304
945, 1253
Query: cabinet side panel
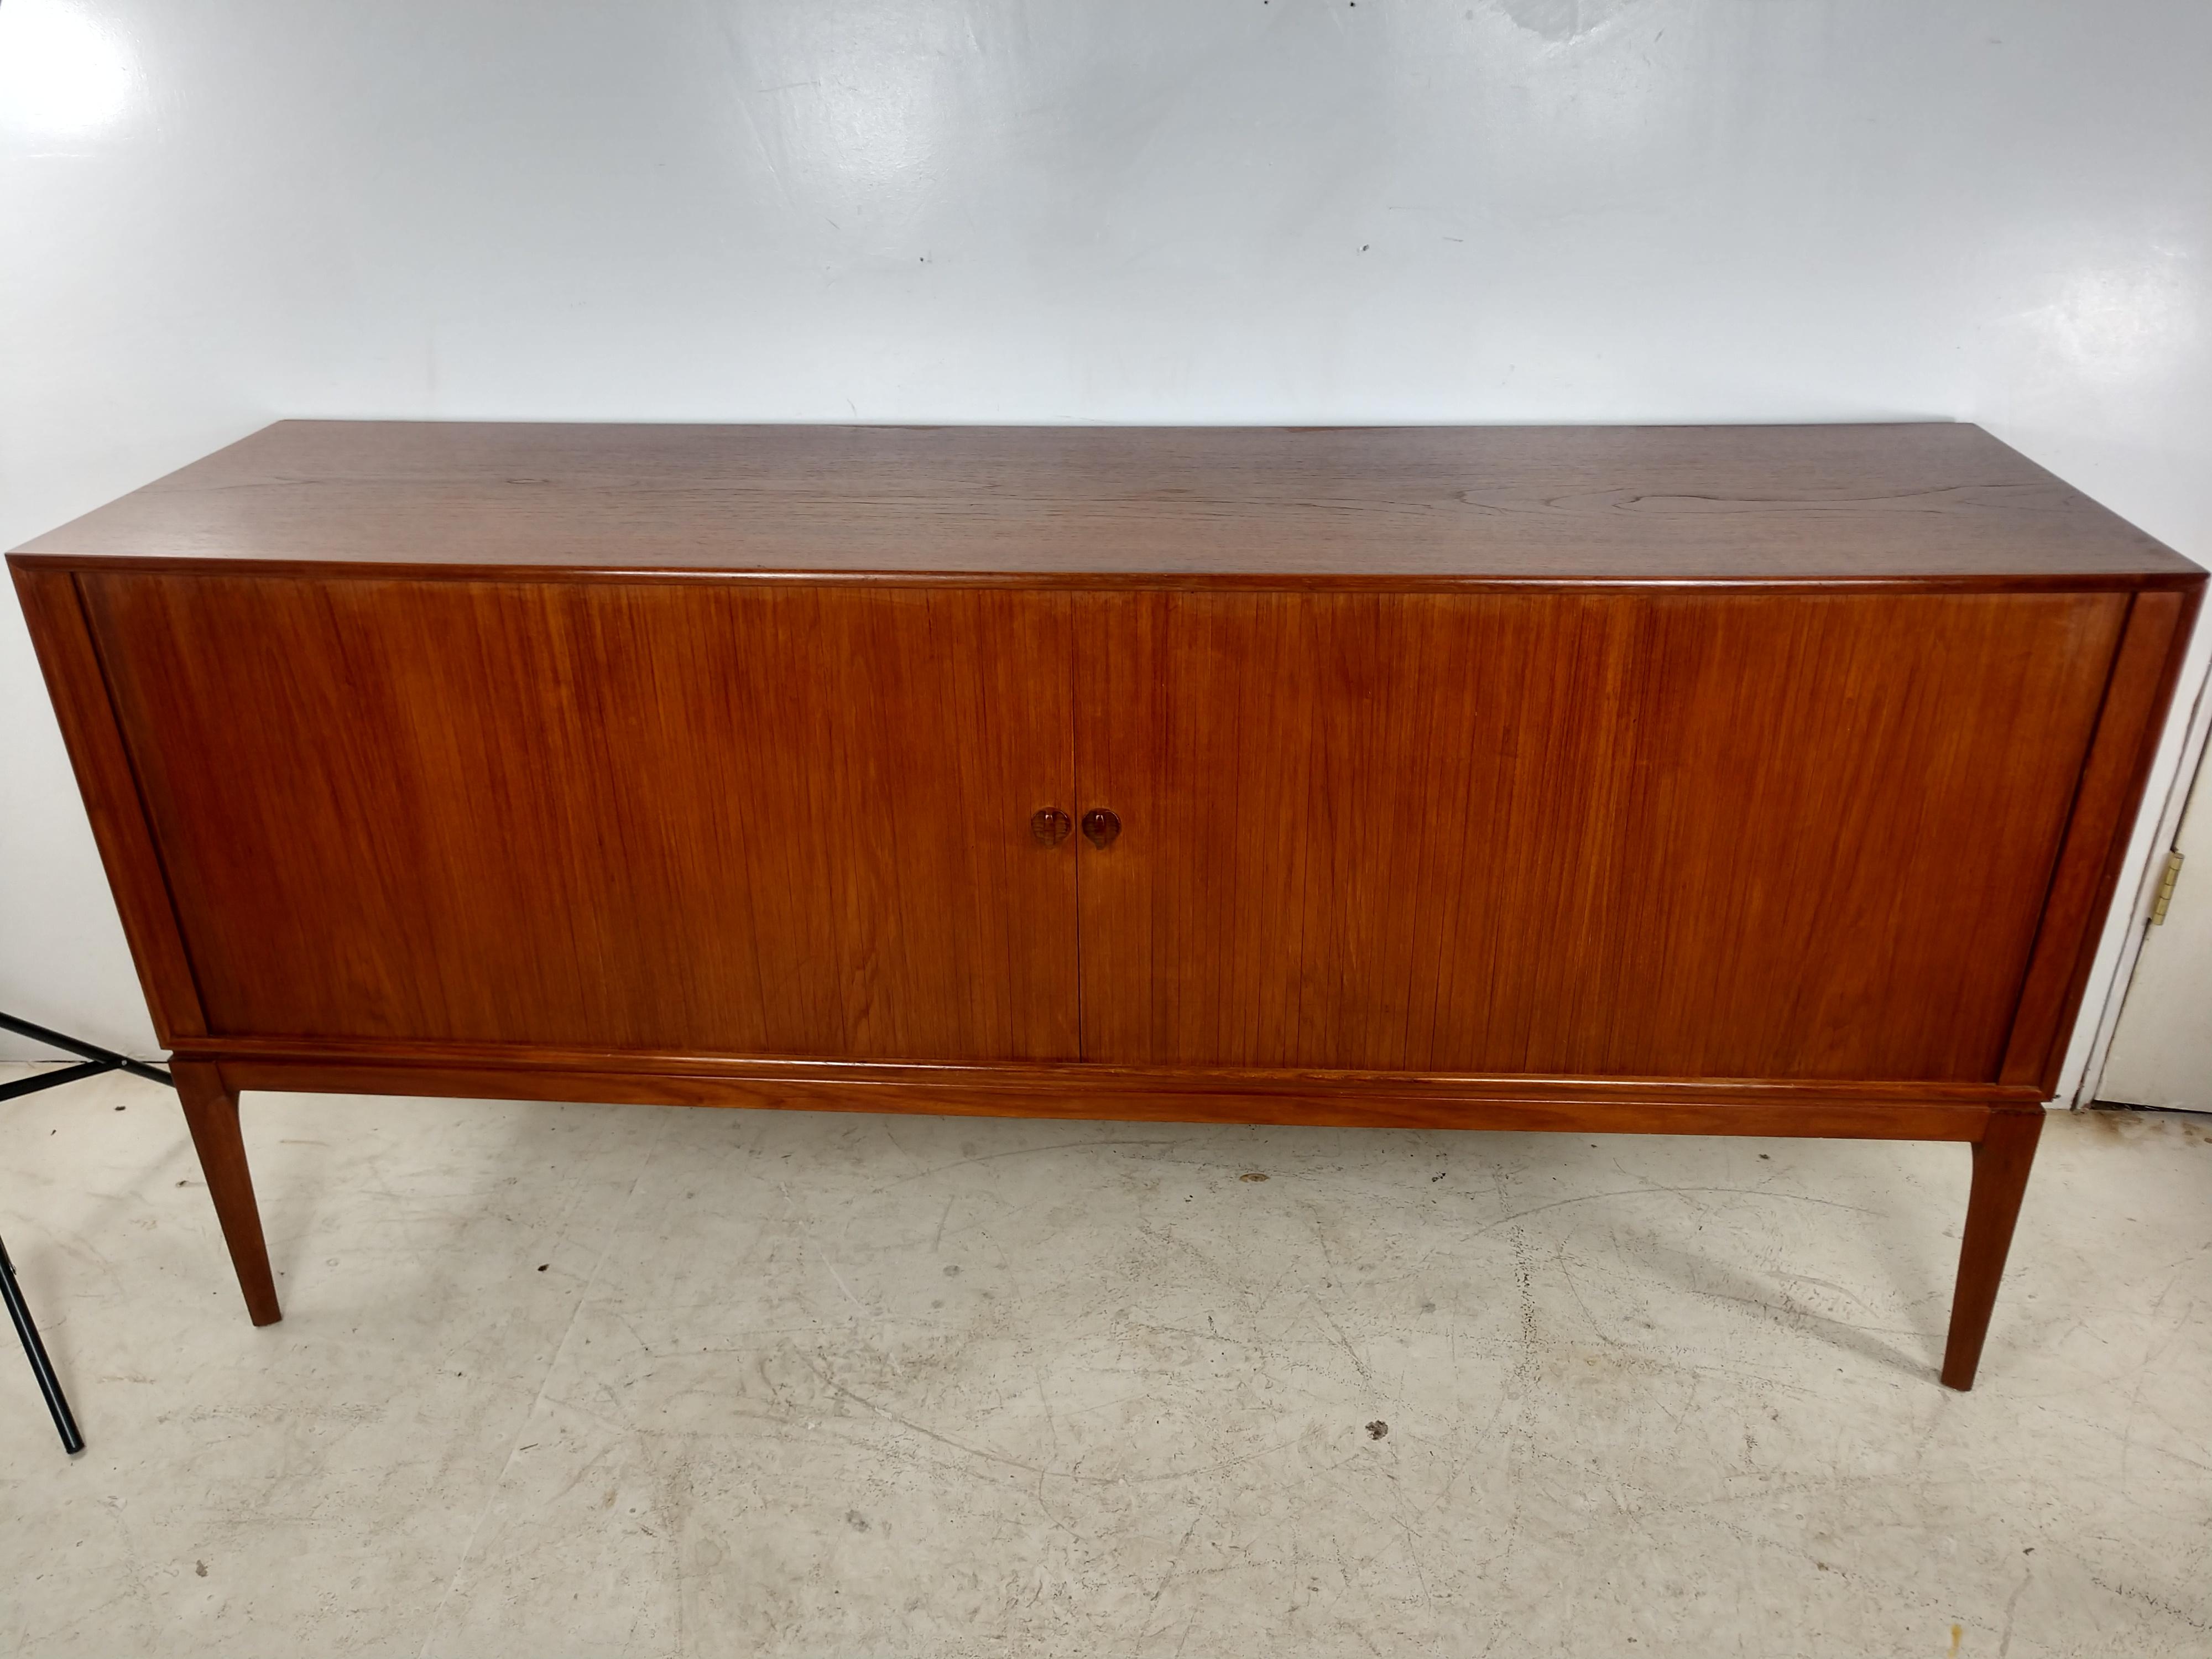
733, 818
71, 666
2135, 701
1591, 835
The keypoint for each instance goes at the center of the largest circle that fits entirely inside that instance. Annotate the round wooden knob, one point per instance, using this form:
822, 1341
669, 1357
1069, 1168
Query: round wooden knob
1050, 825
1102, 826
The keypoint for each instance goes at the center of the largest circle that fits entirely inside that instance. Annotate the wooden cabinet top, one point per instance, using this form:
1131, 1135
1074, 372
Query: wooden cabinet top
1342, 506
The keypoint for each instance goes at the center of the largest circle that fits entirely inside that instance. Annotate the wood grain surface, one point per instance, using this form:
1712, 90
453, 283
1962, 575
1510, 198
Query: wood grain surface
746, 818
1649, 835
1266, 505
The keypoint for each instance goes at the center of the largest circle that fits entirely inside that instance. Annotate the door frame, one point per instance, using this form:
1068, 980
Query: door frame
2181, 749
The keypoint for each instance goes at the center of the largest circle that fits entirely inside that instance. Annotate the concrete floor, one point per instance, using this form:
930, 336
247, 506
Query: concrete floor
567, 1380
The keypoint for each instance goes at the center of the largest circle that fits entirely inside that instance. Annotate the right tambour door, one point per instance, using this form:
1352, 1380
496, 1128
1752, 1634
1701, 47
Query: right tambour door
1607, 833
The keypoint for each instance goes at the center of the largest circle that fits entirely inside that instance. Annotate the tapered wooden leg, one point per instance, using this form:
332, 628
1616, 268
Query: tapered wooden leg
2002, 1160
211, 1110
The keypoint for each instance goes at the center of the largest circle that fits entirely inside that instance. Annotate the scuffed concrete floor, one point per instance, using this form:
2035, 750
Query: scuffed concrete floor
568, 1380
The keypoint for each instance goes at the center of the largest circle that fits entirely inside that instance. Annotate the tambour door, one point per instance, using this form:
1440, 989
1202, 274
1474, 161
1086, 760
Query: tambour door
706, 816
1614, 833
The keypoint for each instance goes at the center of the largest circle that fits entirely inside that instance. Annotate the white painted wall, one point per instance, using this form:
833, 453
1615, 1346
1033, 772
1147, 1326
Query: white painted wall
1272, 210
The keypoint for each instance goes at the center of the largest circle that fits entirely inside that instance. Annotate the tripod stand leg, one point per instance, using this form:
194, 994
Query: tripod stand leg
41, 1367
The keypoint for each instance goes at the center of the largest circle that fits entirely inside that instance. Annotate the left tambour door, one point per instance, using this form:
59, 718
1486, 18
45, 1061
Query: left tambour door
708, 816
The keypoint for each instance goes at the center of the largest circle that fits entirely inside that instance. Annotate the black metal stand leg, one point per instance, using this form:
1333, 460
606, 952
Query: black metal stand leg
41, 1367
102, 1059
97, 1060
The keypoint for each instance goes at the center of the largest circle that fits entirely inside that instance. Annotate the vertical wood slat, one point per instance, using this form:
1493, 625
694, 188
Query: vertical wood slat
2144, 671
55, 611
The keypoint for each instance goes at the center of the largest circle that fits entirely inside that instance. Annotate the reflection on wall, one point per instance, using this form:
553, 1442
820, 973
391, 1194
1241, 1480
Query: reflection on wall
63, 73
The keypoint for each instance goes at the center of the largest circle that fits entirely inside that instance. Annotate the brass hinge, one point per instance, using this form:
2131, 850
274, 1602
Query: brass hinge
2165, 889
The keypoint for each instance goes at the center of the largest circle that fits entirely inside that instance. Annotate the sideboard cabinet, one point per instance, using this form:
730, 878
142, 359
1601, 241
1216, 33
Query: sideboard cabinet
1710, 781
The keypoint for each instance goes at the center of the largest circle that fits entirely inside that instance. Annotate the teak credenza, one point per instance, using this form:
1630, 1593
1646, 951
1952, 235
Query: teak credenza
1706, 781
